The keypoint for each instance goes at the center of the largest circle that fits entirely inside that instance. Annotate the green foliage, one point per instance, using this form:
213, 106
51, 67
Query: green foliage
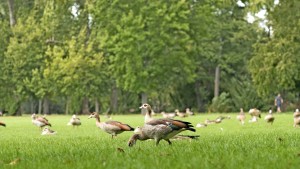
222, 103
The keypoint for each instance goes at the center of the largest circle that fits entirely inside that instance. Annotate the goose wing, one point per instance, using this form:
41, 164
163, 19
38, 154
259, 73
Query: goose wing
124, 127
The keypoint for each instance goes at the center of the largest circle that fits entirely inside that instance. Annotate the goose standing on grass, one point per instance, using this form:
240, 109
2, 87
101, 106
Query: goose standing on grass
47, 131
2, 124
269, 117
74, 121
159, 129
254, 113
241, 117
111, 127
39, 121
296, 118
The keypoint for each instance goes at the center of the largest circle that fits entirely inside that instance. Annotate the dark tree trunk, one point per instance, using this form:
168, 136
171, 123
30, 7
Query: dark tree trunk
97, 105
217, 82
114, 98
40, 106
46, 106
85, 105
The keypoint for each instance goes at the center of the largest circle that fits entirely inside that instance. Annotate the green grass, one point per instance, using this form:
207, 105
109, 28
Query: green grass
254, 145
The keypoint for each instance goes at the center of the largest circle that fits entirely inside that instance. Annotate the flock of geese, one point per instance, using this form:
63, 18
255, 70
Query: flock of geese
157, 129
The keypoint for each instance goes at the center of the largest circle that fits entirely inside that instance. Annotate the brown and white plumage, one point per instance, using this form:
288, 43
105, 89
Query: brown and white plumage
47, 131
168, 115
255, 114
2, 124
180, 114
74, 121
296, 118
241, 116
189, 112
40, 121
269, 117
159, 129
111, 127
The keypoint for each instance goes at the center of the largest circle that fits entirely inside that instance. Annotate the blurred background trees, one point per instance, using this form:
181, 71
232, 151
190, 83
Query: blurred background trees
78, 56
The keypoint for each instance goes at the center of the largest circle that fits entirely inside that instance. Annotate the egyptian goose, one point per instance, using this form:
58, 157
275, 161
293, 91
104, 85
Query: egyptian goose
207, 121
2, 124
47, 131
39, 121
148, 113
296, 118
74, 121
111, 127
241, 117
189, 112
254, 113
201, 125
159, 129
180, 114
168, 115
270, 118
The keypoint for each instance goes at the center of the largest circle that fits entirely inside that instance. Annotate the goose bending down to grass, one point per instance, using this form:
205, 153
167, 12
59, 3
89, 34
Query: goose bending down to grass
40, 121
159, 129
74, 121
255, 114
241, 117
47, 131
269, 117
2, 124
111, 127
296, 118
168, 115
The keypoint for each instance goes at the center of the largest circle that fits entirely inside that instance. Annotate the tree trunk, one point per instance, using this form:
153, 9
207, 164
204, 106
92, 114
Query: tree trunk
144, 100
217, 81
97, 105
12, 19
198, 95
114, 98
32, 106
85, 106
46, 107
40, 106
68, 106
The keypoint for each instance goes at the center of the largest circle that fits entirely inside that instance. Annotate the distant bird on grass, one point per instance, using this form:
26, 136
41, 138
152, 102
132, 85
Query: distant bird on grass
189, 112
296, 118
2, 124
180, 114
168, 115
255, 114
241, 116
47, 131
111, 127
159, 129
269, 117
74, 121
40, 121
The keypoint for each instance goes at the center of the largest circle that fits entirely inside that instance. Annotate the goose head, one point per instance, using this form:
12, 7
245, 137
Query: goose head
33, 116
145, 106
93, 115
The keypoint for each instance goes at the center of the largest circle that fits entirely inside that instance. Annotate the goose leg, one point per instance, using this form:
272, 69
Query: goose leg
170, 143
157, 141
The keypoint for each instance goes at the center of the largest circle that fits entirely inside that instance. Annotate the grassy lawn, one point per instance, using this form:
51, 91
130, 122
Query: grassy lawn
225, 145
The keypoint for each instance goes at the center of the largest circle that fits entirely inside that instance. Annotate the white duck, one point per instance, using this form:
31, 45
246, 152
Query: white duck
159, 129
111, 127
39, 121
74, 121
47, 131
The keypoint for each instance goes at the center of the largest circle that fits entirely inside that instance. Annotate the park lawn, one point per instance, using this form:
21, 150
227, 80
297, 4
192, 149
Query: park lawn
225, 145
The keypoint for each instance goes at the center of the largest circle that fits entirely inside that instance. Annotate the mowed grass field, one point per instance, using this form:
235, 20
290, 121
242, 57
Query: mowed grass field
225, 145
